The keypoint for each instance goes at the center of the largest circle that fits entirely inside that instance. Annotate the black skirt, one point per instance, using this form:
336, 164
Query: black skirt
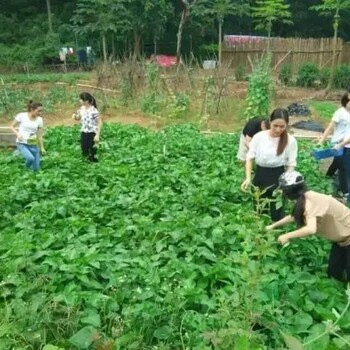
266, 177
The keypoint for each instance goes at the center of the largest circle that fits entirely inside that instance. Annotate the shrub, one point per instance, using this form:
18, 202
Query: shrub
324, 76
285, 75
308, 74
342, 76
240, 72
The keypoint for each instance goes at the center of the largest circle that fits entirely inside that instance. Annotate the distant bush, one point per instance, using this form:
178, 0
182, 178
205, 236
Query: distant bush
308, 74
240, 72
325, 73
342, 76
285, 75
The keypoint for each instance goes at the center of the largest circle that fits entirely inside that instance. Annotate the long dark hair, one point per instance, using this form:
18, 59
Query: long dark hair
281, 113
86, 96
297, 193
32, 106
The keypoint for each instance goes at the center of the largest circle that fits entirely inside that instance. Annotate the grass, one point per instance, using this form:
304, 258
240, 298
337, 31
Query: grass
323, 109
70, 78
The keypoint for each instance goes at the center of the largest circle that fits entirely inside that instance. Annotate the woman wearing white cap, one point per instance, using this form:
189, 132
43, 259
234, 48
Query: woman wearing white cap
317, 213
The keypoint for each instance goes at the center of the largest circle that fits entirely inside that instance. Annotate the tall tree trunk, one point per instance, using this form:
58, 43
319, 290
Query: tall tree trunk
49, 15
155, 44
113, 47
335, 38
137, 45
104, 47
184, 16
220, 41
269, 29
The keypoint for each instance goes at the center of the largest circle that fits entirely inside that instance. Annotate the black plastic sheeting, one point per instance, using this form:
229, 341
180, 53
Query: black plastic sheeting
298, 109
308, 125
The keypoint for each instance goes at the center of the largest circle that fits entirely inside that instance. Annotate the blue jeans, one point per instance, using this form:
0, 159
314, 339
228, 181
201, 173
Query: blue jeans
31, 154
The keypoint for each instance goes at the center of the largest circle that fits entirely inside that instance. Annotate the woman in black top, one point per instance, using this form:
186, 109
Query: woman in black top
252, 127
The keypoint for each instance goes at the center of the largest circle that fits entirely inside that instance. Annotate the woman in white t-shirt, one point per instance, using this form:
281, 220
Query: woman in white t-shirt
274, 152
28, 127
340, 127
91, 124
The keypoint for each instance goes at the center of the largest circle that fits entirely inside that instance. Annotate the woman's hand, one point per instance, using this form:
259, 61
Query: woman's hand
337, 146
283, 239
97, 138
269, 228
245, 185
43, 151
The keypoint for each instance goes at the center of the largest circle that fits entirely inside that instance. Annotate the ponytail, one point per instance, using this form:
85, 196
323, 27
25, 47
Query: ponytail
282, 143
299, 210
297, 193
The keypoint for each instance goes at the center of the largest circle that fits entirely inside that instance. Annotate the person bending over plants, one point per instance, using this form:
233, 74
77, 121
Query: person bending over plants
252, 127
317, 213
91, 125
28, 127
274, 151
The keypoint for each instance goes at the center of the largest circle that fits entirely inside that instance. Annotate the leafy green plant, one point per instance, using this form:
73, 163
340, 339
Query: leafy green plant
156, 247
308, 74
260, 89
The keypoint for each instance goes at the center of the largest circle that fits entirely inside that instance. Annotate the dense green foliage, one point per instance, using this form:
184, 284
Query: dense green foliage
155, 247
25, 36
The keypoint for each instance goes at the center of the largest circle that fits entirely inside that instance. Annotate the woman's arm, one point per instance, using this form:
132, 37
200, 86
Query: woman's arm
40, 140
99, 128
248, 174
327, 132
13, 127
307, 230
286, 220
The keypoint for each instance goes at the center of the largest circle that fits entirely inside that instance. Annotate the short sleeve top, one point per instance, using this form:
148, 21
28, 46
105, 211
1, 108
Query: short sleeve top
28, 128
263, 148
333, 217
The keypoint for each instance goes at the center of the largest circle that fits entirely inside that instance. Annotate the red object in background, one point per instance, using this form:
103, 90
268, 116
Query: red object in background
164, 60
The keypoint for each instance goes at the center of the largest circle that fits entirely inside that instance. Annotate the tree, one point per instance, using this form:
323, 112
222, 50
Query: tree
49, 15
328, 8
267, 12
185, 14
101, 17
218, 10
147, 17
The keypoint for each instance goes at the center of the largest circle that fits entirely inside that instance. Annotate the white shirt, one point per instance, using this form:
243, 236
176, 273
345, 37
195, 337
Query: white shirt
28, 128
263, 148
341, 118
89, 119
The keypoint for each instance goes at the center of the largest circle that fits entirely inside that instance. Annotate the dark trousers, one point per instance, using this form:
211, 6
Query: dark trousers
339, 262
347, 168
338, 164
88, 146
267, 179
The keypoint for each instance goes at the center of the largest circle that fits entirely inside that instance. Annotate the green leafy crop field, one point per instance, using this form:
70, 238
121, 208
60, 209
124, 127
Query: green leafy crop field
155, 247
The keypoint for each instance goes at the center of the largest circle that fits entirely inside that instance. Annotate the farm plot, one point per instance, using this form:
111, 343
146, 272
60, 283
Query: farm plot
155, 247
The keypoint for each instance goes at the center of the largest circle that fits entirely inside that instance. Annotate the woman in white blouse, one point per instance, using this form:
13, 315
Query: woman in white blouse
274, 152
